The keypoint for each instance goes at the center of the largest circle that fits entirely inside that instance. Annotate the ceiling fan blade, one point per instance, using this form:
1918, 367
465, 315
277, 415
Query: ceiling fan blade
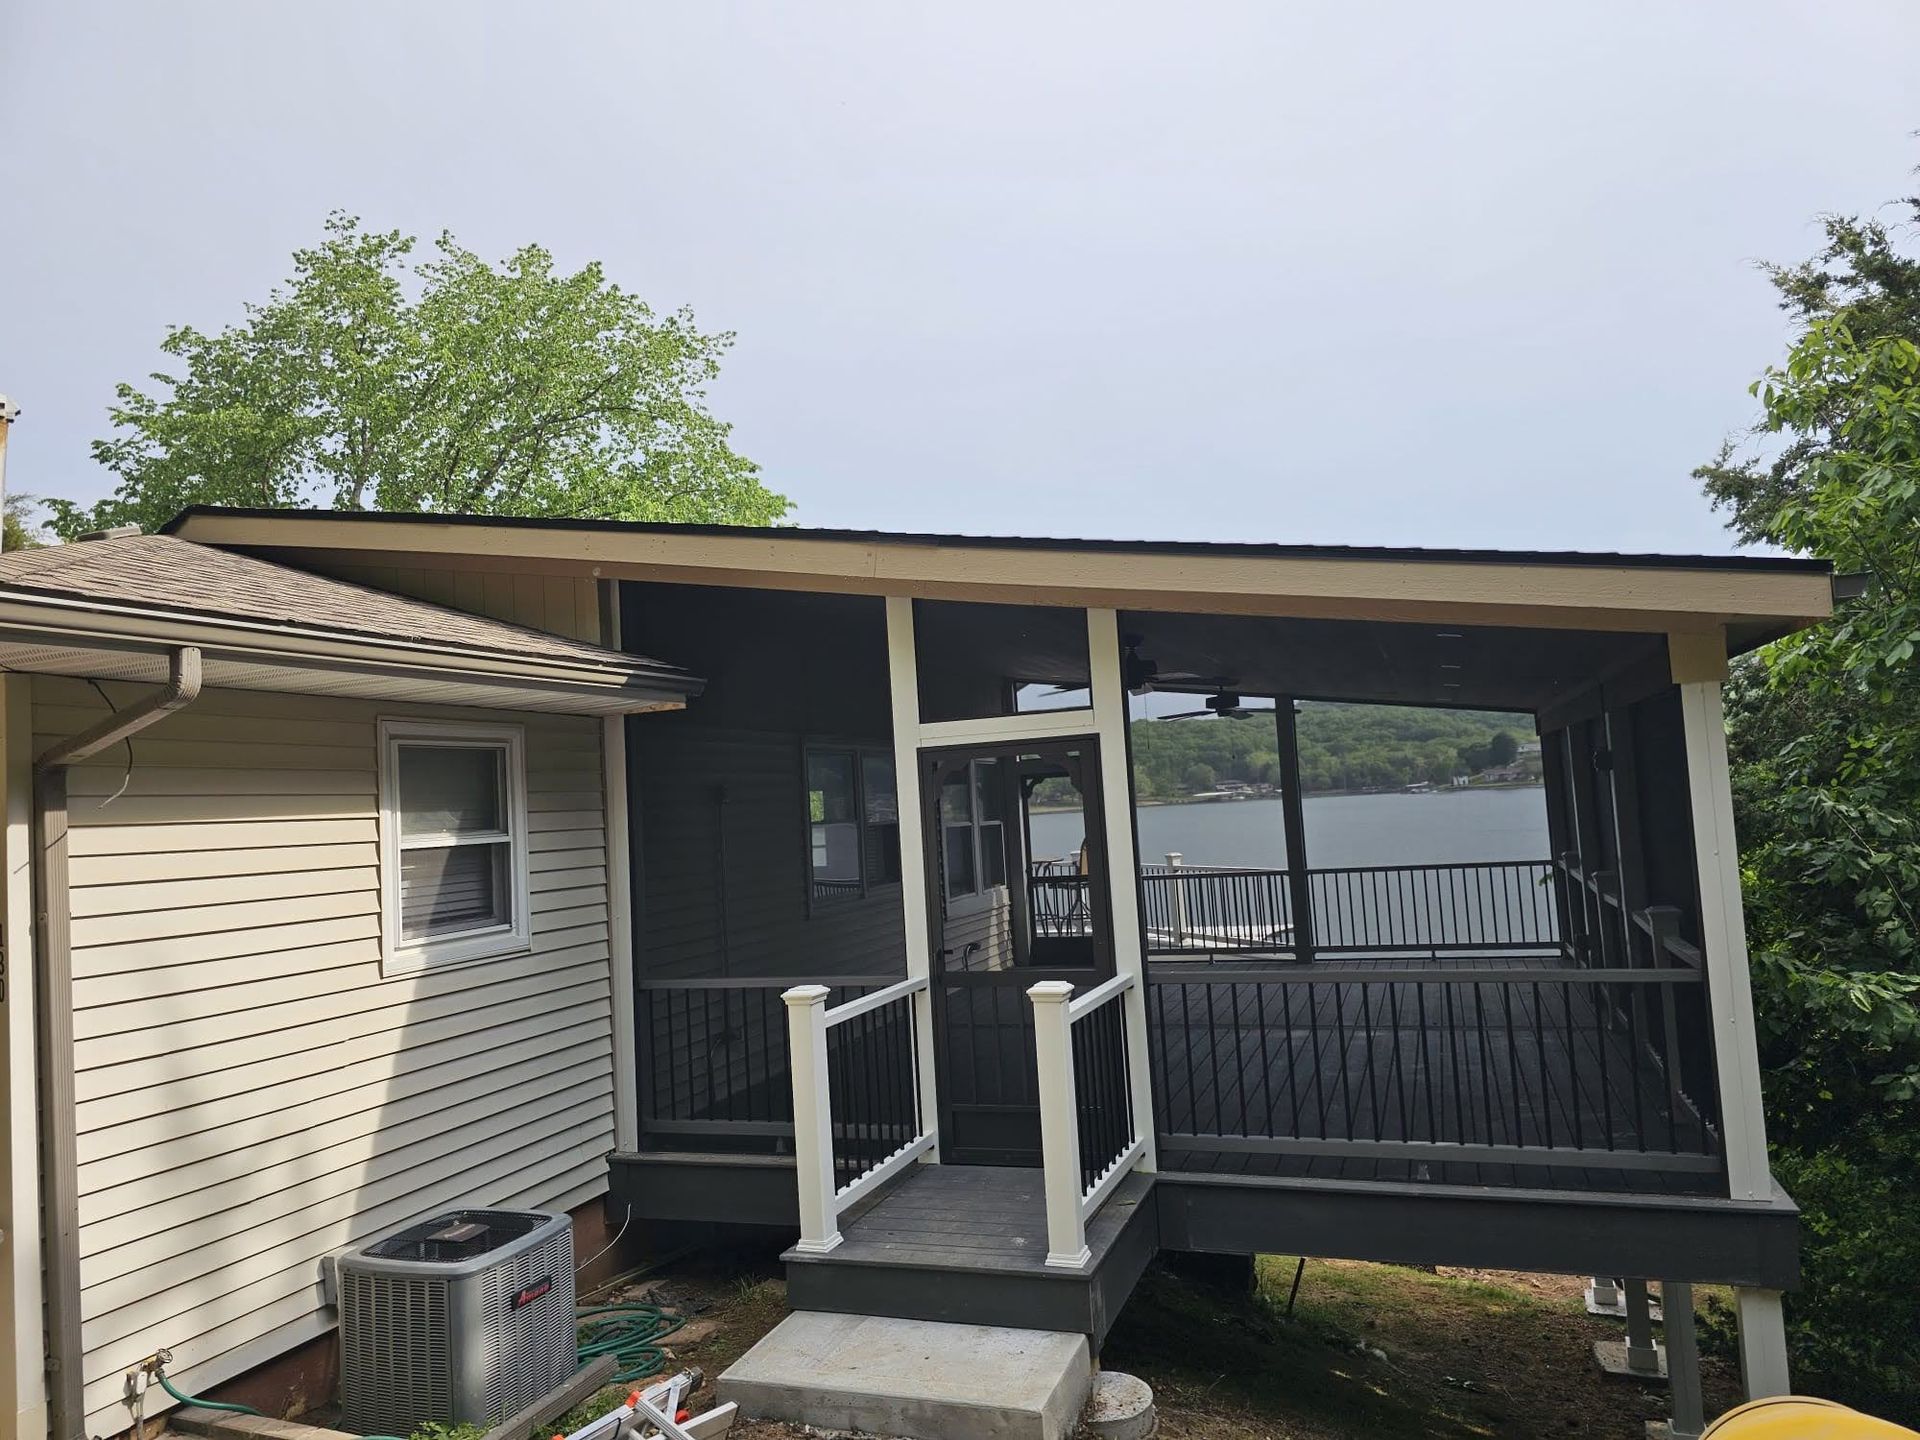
1185, 715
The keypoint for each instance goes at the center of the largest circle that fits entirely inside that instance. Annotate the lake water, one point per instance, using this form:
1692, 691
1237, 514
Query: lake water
1444, 827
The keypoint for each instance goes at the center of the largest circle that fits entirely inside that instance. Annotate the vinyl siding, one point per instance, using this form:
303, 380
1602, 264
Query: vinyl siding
564, 604
252, 1092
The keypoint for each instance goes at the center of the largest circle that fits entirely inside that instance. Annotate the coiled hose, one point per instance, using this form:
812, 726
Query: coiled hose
631, 1332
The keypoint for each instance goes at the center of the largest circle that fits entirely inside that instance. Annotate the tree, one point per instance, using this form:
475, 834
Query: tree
448, 385
21, 532
1826, 751
1502, 748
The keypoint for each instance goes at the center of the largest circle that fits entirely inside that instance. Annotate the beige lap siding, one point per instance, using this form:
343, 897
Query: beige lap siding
252, 1092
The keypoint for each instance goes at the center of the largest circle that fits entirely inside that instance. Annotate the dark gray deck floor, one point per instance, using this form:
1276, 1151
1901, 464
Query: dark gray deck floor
975, 1217
1321, 1054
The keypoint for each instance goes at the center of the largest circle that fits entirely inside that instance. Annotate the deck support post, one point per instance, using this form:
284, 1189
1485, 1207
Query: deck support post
1683, 1361
1059, 1124
1643, 1354
812, 1118
1763, 1343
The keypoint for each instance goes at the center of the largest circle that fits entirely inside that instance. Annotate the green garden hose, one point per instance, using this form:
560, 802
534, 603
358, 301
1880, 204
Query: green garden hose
629, 1331
186, 1399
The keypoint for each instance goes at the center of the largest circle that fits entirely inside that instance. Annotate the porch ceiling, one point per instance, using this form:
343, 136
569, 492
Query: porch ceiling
1481, 667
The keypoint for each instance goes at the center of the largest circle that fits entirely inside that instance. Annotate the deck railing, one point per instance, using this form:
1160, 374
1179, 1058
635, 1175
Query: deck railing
1475, 906
856, 1098
1514, 1063
714, 1067
1089, 1135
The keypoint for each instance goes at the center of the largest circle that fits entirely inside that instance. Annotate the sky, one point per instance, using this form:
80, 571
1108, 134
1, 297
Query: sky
1470, 274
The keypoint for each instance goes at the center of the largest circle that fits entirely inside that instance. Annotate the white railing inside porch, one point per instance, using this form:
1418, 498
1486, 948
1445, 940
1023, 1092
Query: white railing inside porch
857, 1113
1090, 1134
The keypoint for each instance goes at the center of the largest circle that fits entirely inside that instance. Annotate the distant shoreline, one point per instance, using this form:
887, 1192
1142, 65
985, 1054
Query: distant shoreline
1310, 795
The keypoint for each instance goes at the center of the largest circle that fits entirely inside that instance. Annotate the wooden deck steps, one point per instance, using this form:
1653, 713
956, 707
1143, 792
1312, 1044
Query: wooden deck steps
967, 1244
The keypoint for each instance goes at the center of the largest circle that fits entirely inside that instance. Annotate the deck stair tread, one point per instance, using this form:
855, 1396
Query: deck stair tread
972, 1217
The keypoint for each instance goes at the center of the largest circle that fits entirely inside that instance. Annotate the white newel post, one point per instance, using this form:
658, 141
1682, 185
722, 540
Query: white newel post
1177, 885
812, 1117
1059, 1127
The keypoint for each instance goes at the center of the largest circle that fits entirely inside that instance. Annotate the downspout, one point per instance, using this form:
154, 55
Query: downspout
53, 978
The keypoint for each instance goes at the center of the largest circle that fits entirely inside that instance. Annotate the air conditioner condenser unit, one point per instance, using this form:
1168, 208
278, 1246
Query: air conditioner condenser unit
468, 1317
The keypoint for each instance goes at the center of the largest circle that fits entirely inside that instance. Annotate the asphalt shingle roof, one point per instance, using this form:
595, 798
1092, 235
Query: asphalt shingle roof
165, 573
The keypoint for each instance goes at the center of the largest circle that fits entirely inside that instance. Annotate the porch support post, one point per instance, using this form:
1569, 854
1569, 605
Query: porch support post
903, 680
1123, 864
1763, 1343
613, 776
1293, 809
1059, 1124
812, 1118
1683, 1361
1723, 934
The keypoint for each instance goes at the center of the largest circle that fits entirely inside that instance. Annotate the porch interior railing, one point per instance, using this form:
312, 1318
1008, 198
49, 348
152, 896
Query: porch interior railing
715, 1065
1517, 1015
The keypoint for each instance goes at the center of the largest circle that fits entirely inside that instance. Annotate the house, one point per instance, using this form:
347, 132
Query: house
684, 874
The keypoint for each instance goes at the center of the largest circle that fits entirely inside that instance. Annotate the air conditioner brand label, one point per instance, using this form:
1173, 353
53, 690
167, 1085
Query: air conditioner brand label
532, 1293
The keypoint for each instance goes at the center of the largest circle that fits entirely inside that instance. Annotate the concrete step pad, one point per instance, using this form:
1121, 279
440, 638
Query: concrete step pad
920, 1378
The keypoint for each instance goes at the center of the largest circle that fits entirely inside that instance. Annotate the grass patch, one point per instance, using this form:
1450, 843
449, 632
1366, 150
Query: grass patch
1375, 1350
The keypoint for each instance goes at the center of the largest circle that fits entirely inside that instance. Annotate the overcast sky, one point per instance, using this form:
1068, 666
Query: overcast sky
1418, 274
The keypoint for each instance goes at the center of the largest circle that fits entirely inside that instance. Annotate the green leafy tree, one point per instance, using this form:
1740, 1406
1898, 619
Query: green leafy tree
1502, 748
1825, 739
22, 532
452, 385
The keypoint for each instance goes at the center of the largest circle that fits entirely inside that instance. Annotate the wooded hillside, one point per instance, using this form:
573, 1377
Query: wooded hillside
1342, 747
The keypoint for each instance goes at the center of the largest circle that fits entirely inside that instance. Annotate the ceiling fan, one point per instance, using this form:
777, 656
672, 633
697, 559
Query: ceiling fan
1223, 703
1141, 676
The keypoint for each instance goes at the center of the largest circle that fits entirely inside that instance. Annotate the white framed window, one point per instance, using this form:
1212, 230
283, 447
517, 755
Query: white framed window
453, 842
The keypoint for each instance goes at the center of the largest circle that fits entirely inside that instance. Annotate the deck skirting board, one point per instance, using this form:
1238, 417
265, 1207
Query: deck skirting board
1687, 1238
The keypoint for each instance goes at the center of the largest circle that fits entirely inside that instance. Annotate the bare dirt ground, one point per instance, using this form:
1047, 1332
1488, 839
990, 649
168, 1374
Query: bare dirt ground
1371, 1351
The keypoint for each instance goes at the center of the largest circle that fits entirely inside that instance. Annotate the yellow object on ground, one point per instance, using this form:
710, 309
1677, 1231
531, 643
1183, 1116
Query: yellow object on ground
1797, 1417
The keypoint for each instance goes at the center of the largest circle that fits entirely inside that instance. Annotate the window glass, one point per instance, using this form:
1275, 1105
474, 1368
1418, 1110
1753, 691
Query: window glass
833, 822
853, 822
447, 891
451, 789
956, 808
993, 855
960, 869
882, 805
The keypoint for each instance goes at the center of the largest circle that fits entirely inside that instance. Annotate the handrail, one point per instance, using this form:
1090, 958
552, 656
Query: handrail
848, 1009
758, 982
868, 1053
1178, 974
1093, 999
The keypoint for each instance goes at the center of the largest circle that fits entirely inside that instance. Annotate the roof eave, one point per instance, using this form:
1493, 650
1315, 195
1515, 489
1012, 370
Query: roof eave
32, 623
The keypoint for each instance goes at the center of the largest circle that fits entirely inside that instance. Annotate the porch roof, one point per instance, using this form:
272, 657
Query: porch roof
112, 607
1743, 600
